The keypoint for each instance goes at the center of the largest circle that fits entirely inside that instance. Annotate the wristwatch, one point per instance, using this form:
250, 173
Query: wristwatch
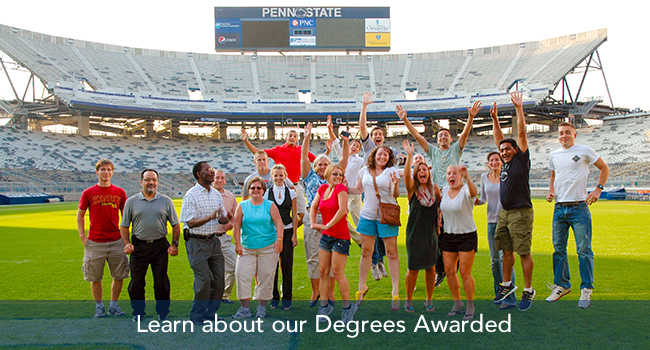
600, 187
176, 243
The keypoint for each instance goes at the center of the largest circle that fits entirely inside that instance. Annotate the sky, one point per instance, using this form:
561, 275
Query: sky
416, 26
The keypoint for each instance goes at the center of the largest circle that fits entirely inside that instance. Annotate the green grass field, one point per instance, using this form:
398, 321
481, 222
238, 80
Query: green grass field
40, 256
44, 301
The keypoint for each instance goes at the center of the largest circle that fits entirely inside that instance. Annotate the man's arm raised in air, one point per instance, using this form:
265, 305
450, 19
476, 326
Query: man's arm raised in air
249, 145
522, 139
401, 113
471, 113
496, 127
363, 119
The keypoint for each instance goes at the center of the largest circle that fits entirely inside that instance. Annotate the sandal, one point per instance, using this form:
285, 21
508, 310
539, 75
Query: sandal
395, 303
408, 308
362, 295
456, 312
468, 317
429, 307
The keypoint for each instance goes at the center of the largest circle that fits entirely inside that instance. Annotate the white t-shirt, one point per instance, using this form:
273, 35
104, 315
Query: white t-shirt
457, 212
571, 166
278, 193
355, 163
370, 209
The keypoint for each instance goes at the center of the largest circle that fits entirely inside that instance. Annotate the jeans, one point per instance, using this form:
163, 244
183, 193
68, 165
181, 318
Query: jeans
578, 218
496, 264
379, 252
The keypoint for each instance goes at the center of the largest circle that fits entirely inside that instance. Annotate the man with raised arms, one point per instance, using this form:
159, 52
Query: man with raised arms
514, 230
569, 171
442, 155
288, 154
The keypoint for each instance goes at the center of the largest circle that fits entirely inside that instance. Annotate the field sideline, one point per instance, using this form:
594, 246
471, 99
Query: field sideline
41, 254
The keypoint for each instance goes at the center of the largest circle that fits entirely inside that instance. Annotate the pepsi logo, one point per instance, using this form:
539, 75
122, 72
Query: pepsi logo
222, 39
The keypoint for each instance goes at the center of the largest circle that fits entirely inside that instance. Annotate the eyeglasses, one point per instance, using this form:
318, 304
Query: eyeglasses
337, 174
255, 188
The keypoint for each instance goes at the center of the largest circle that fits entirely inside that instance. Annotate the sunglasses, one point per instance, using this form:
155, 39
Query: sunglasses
255, 188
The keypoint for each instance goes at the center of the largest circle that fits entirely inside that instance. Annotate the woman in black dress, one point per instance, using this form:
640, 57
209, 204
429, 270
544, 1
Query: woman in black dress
422, 228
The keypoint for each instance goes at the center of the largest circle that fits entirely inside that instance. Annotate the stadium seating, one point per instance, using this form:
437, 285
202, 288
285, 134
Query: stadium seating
66, 162
444, 80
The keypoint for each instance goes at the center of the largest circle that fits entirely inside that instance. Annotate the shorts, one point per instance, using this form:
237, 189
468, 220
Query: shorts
96, 254
462, 242
514, 231
375, 228
329, 244
300, 198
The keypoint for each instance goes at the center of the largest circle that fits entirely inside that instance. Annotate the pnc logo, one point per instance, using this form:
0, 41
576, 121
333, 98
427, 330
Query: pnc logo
294, 23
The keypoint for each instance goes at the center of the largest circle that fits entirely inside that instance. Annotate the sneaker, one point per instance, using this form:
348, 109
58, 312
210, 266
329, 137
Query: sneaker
382, 269
227, 301
504, 292
376, 274
115, 311
348, 315
439, 278
527, 300
585, 298
243, 312
100, 311
261, 311
163, 317
557, 292
324, 311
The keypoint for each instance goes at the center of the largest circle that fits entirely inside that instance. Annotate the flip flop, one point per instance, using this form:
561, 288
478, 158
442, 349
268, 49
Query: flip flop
429, 307
456, 312
469, 317
408, 308
362, 295
394, 305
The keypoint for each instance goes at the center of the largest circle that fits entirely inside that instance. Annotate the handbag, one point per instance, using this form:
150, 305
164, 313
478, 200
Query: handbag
389, 214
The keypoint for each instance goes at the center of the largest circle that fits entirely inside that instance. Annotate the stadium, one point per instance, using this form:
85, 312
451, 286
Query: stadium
125, 103
153, 108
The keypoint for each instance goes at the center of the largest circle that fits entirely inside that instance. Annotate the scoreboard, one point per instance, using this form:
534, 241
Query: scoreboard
302, 28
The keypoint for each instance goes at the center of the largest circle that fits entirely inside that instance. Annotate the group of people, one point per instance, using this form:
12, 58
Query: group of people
313, 191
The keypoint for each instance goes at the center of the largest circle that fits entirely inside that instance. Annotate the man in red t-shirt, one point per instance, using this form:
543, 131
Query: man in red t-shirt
104, 242
288, 155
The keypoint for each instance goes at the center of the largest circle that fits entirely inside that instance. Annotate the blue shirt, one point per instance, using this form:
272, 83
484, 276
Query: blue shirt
312, 184
257, 227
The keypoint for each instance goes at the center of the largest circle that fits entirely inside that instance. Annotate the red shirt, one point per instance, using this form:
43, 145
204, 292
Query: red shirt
105, 204
289, 156
328, 209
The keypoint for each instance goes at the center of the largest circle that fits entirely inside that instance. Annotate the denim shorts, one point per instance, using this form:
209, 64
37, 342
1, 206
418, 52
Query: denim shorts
376, 229
329, 244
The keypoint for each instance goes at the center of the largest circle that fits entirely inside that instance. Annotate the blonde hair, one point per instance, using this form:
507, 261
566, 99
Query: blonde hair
330, 170
318, 159
279, 167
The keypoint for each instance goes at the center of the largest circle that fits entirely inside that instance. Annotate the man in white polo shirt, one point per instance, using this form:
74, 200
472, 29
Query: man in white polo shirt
569, 171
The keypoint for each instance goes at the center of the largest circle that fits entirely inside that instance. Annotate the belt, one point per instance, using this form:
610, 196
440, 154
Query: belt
136, 239
206, 237
220, 234
570, 204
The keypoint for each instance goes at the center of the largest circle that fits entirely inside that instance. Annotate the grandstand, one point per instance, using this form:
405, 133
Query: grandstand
112, 80
33, 161
121, 90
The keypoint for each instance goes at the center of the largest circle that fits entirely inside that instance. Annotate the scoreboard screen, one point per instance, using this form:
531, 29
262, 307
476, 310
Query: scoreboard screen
302, 28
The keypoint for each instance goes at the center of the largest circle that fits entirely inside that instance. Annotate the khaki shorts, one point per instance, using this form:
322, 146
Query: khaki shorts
97, 254
300, 198
514, 231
